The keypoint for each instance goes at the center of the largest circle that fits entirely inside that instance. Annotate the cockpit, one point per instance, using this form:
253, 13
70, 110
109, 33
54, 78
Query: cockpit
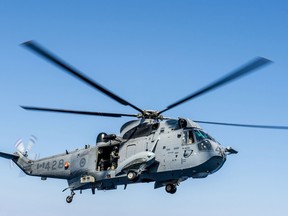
199, 137
192, 135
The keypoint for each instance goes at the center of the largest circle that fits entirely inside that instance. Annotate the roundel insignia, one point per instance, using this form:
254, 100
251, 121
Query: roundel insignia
82, 162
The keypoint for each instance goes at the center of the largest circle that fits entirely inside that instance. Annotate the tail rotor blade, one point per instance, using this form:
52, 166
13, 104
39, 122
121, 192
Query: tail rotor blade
31, 142
12, 164
20, 146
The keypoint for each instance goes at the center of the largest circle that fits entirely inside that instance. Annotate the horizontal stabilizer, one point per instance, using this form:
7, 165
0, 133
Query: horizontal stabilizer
8, 156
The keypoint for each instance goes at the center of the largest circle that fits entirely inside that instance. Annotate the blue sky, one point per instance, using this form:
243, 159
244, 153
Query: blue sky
151, 53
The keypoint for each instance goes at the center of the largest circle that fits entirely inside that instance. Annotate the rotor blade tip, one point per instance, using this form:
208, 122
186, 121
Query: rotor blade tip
29, 44
265, 60
26, 43
23, 107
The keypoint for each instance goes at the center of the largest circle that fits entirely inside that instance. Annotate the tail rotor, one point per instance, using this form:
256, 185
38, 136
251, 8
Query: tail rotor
31, 142
21, 147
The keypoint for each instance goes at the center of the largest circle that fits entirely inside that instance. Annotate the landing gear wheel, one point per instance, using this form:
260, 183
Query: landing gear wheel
174, 190
132, 176
171, 188
69, 199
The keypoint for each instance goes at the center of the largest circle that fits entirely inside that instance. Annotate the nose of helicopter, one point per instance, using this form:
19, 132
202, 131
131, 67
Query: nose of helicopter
212, 165
216, 162
217, 158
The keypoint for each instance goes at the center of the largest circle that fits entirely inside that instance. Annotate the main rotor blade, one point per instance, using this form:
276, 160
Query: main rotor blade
72, 71
116, 115
244, 70
245, 125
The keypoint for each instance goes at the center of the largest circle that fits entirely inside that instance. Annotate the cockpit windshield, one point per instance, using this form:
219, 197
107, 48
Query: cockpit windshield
201, 135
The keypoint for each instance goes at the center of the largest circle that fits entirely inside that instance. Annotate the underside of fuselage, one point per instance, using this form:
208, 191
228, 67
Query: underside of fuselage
160, 179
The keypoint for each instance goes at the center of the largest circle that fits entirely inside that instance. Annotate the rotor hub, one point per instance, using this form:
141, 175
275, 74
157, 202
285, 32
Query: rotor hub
150, 114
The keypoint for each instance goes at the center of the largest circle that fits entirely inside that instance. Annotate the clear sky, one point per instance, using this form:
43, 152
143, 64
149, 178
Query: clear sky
151, 53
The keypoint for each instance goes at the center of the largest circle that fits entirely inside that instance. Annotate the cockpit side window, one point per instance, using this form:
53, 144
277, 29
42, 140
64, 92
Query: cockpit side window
188, 137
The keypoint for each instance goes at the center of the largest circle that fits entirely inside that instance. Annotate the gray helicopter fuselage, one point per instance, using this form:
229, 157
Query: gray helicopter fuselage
164, 152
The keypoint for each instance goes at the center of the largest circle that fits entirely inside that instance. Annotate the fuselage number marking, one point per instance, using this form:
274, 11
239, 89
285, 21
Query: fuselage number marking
54, 165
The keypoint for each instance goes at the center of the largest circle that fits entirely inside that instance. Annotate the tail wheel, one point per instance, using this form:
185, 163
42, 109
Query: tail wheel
69, 199
171, 188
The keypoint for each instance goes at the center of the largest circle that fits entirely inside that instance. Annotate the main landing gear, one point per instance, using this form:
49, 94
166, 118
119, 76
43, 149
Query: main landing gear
69, 198
132, 176
171, 188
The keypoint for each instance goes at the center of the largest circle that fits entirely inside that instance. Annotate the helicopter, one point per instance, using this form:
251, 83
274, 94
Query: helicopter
150, 148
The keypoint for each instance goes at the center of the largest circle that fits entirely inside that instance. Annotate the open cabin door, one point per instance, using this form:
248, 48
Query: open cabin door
104, 157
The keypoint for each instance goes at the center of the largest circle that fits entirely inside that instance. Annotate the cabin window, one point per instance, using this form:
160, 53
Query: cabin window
141, 131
